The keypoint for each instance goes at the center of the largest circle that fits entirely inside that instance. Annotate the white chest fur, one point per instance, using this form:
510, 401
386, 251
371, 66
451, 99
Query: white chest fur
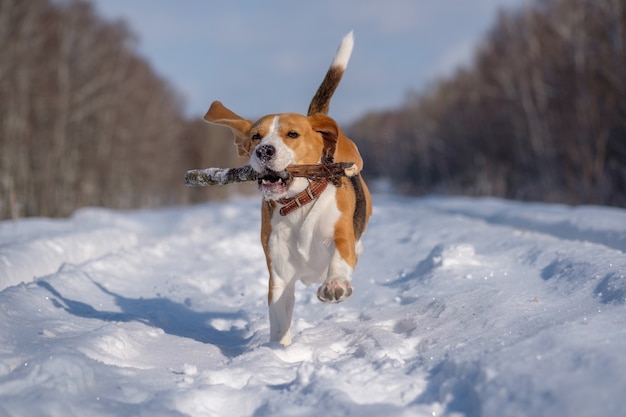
302, 244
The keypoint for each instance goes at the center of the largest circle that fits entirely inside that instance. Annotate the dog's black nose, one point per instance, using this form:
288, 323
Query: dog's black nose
265, 152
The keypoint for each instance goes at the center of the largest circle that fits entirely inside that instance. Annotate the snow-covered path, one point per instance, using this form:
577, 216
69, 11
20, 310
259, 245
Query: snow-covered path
468, 307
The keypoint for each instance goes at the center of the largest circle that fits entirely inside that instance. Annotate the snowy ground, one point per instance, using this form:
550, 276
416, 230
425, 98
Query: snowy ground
462, 307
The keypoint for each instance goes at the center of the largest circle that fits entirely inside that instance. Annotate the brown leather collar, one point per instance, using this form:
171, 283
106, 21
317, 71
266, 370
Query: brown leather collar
309, 194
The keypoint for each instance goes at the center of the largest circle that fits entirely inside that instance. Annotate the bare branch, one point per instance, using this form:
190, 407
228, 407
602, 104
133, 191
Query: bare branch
224, 176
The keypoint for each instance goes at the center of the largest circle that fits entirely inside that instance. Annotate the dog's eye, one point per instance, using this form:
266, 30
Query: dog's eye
293, 134
256, 136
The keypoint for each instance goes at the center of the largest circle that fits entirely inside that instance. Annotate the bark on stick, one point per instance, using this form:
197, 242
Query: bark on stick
224, 176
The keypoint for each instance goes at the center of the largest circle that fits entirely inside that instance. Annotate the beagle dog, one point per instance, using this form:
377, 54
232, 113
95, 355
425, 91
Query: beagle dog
310, 229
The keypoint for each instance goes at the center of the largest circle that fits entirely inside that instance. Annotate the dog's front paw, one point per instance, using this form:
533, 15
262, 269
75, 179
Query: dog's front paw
334, 291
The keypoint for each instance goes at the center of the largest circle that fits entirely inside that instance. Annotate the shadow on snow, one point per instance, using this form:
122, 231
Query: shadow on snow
173, 318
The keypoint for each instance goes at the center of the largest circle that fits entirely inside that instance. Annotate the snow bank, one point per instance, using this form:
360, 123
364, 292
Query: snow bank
462, 307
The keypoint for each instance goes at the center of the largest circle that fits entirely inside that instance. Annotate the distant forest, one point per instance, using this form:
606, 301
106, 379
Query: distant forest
540, 114
85, 121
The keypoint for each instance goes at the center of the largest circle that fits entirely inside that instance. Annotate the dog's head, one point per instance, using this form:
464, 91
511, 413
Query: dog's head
276, 141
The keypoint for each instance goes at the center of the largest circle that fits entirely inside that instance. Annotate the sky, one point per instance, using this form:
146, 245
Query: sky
262, 57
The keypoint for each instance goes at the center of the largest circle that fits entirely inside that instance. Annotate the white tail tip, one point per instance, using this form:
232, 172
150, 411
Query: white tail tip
345, 50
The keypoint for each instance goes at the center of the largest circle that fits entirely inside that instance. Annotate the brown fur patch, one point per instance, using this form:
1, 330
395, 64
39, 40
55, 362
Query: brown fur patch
220, 115
360, 217
267, 210
321, 100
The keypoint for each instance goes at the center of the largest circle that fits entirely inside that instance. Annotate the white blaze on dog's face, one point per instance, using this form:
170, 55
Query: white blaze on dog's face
278, 141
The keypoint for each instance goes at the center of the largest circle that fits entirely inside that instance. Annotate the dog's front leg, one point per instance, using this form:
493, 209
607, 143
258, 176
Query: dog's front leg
281, 294
336, 287
281, 300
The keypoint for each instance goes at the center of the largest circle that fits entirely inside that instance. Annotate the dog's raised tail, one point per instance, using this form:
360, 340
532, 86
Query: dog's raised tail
321, 100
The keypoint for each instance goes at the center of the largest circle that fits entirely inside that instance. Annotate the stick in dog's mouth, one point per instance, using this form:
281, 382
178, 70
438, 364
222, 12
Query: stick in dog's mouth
273, 177
272, 183
223, 176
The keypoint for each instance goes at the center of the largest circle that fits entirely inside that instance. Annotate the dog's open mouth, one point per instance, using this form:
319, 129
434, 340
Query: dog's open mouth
274, 184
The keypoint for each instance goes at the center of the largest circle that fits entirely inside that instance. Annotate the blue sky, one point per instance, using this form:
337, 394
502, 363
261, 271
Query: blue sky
261, 57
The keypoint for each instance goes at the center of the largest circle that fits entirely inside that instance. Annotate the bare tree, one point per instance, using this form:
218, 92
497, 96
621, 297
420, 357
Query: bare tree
84, 120
539, 115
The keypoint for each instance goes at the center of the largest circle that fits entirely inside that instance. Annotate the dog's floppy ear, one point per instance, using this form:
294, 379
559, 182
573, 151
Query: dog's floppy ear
329, 130
336, 145
325, 125
218, 114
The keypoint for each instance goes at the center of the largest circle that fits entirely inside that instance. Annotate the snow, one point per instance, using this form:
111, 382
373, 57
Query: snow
462, 307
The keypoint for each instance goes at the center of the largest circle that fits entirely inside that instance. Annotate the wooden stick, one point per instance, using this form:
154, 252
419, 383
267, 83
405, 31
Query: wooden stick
220, 176
338, 169
223, 176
